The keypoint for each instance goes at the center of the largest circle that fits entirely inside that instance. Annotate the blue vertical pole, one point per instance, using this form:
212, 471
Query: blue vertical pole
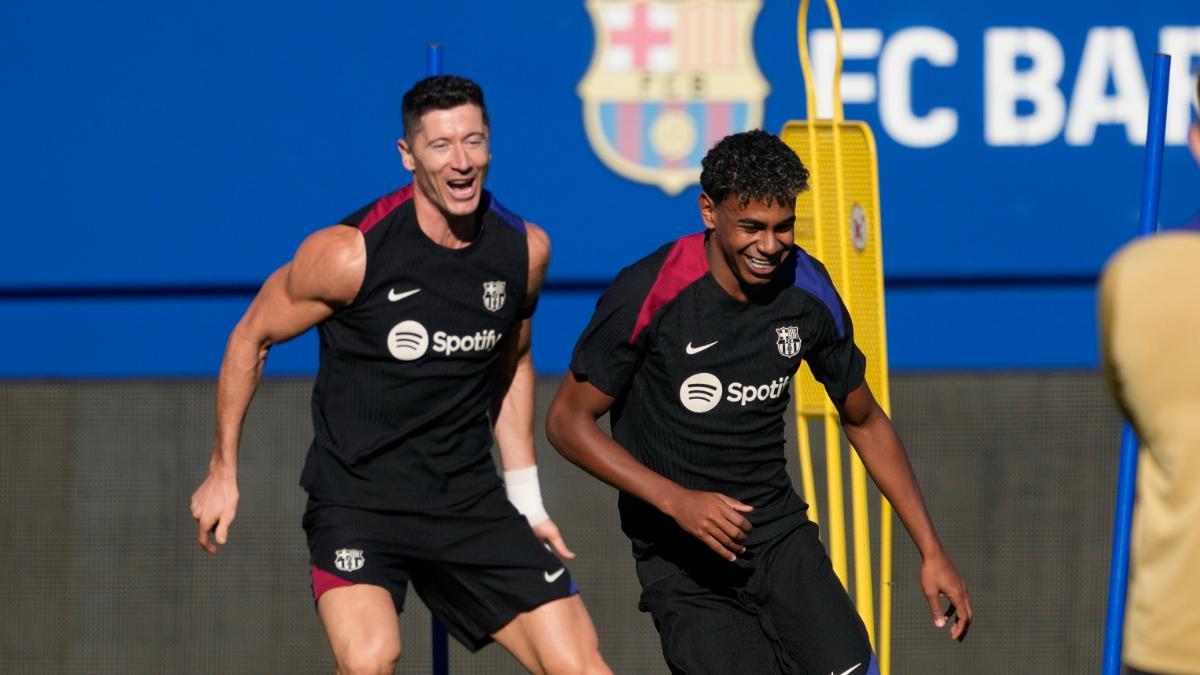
433, 59
441, 643
1118, 576
1156, 127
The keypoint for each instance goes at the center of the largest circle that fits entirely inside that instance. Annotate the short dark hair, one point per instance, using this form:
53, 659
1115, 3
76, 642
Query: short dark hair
753, 166
439, 92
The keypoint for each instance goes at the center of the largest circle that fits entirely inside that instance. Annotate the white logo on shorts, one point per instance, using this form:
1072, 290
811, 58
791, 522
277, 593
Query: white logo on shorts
849, 670
700, 392
551, 577
348, 559
408, 341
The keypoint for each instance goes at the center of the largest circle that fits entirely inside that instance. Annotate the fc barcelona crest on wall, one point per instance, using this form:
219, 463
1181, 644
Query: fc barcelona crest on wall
668, 79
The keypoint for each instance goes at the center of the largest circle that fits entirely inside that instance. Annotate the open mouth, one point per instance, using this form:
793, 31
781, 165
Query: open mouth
461, 189
761, 266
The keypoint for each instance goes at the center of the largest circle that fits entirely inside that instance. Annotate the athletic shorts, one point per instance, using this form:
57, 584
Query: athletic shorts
476, 567
779, 609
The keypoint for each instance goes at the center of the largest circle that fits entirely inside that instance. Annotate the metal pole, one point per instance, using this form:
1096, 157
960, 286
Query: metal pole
1118, 578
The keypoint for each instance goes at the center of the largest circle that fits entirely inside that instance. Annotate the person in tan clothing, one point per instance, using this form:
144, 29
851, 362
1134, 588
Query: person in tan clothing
1149, 302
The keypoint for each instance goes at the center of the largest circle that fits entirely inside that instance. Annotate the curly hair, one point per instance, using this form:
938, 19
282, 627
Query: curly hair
440, 92
753, 165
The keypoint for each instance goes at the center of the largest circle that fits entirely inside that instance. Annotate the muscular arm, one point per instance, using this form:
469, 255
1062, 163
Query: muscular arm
571, 426
877, 443
325, 274
513, 378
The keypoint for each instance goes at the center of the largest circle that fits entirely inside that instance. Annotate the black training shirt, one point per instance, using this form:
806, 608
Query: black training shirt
702, 380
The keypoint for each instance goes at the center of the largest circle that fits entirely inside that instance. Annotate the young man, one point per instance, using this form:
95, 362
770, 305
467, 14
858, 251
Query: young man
423, 301
731, 570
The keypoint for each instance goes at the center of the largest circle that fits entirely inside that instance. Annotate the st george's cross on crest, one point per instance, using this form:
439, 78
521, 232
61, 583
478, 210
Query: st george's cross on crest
668, 79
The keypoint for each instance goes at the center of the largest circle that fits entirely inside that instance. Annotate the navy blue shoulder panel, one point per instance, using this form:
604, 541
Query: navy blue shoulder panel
492, 204
810, 276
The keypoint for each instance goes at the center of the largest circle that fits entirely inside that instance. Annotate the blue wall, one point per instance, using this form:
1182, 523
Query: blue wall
161, 160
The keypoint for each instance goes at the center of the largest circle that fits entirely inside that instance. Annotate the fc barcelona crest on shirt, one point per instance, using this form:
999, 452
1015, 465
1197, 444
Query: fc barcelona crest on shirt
493, 295
788, 342
668, 79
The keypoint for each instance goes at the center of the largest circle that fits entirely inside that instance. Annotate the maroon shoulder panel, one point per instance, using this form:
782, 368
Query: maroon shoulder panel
684, 265
384, 206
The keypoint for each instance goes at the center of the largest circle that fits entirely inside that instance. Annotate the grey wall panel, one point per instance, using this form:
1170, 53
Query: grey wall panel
104, 574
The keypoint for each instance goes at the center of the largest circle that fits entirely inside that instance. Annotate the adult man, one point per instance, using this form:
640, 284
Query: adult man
731, 571
1148, 325
1148, 295
423, 301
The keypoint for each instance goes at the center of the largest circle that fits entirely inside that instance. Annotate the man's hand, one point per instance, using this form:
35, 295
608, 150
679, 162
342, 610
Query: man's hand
712, 518
939, 578
214, 505
548, 533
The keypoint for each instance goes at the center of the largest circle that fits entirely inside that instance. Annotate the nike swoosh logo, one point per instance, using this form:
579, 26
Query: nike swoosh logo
696, 350
551, 577
849, 670
394, 296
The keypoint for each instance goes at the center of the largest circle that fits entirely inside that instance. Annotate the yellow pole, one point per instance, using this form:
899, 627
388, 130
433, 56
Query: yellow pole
858, 476
806, 465
864, 596
836, 532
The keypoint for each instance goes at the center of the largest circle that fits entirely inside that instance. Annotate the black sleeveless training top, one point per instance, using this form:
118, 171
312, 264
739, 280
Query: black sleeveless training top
400, 403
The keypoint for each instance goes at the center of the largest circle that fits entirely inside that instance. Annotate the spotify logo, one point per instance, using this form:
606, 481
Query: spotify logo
408, 341
700, 392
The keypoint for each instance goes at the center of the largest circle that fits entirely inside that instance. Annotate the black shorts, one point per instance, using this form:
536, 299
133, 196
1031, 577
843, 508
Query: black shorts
779, 609
475, 567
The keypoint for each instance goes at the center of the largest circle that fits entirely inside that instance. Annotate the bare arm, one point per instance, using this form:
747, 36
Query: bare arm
513, 378
877, 443
513, 382
713, 518
512, 399
325, 274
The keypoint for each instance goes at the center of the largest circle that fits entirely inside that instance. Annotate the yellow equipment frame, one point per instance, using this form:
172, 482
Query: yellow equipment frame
839, 223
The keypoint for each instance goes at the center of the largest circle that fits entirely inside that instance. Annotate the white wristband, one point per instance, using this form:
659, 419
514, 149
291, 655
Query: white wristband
526, 494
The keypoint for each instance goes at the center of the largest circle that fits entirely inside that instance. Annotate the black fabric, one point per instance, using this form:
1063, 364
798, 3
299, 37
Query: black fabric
702, 380
476, 567
778, 609
528, 310
401, 396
